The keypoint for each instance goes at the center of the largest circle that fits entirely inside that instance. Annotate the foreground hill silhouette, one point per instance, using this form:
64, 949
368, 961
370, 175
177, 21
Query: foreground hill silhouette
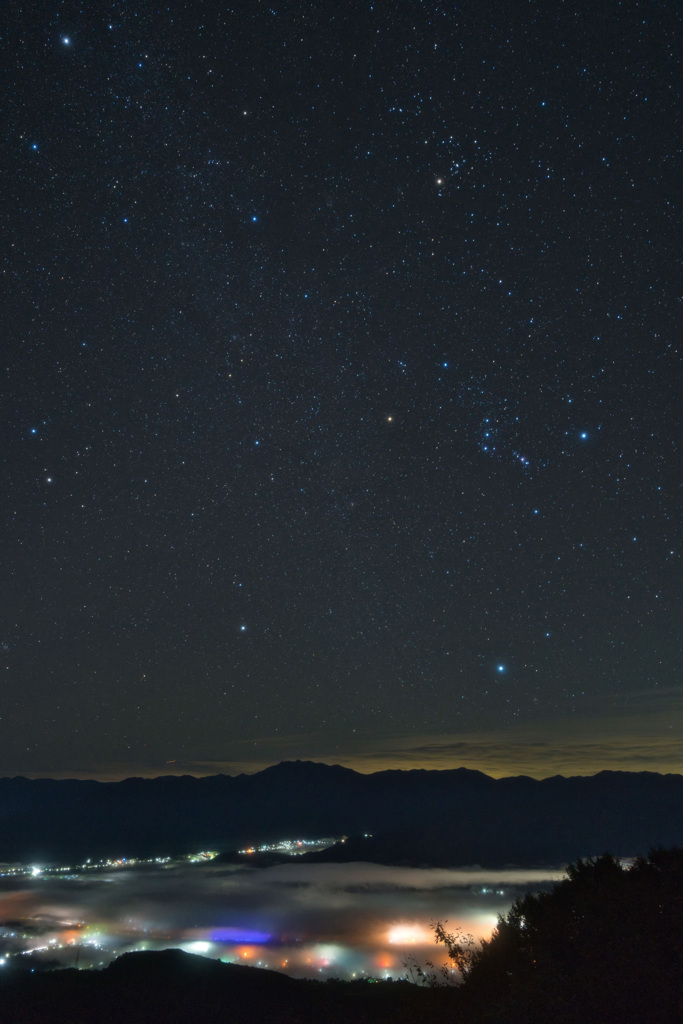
423, 817
173, 987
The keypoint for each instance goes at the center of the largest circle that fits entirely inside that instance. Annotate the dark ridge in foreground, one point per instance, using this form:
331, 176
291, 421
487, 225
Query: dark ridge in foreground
173, 987
444, 818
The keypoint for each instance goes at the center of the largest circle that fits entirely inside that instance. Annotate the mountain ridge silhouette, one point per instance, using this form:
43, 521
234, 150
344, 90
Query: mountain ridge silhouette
444, 817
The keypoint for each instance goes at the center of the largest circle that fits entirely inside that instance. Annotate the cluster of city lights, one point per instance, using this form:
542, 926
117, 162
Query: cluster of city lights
105, 864
291, 847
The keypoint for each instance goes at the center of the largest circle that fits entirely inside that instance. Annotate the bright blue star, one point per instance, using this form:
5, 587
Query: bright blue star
500, 668
583, 435
254, 219
243, 629
66, 41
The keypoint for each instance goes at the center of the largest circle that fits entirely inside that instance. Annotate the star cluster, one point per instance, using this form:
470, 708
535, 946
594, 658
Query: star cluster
340, 373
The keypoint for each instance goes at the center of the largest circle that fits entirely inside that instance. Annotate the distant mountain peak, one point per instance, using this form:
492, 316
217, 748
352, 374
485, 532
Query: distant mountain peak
297, 767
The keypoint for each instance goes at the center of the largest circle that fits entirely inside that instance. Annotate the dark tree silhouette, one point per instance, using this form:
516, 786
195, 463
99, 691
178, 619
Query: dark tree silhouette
604, 945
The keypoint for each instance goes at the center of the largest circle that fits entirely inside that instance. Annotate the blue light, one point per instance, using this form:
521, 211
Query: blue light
583, 436
500, 668
254, 219
238, 935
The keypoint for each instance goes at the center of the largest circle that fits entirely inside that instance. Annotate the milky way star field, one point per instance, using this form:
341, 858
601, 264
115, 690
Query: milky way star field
340, 386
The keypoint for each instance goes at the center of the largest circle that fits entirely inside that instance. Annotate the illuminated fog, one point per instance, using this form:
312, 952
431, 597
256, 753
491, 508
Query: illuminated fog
324, 920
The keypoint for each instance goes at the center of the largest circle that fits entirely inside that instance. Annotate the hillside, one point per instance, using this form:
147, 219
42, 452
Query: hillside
172, 987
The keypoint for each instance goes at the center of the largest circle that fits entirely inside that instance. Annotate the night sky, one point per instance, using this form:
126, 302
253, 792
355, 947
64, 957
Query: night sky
340, 386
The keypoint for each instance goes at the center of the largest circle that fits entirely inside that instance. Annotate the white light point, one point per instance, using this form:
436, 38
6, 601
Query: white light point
197, 947
409, 934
